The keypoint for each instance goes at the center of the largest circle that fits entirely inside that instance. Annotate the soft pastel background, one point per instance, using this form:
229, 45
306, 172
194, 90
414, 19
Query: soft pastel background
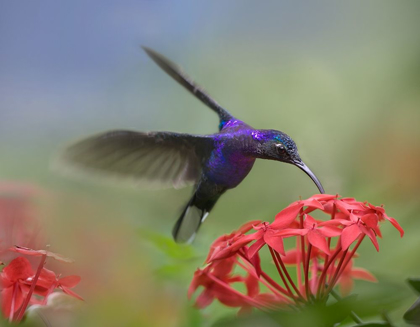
342, 78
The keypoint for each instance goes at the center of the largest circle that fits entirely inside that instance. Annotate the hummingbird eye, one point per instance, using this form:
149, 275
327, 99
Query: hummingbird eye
280, 148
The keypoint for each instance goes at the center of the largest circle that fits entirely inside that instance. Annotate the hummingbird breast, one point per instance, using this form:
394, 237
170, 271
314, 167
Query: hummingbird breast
229, 162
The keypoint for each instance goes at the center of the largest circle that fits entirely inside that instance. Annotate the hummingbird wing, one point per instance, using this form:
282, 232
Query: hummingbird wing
159, 159
177, 74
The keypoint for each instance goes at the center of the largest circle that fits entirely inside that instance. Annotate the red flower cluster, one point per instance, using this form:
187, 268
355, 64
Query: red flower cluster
21, 286
321, 259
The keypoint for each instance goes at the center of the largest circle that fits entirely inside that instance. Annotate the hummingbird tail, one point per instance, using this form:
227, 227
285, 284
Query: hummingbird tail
188, 224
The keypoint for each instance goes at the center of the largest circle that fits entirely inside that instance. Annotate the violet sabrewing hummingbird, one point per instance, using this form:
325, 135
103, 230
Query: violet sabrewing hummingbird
212, 163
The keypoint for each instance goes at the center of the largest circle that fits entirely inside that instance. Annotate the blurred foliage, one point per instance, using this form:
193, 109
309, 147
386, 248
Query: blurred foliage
412, 316
317, 315
168, 246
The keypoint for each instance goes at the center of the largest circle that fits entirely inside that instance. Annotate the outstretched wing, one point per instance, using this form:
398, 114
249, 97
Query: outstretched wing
159, 159
177, 74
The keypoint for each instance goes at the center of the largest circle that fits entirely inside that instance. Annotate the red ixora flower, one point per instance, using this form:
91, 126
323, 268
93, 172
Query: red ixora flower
321, 258
13, 279
48, 281
22, 286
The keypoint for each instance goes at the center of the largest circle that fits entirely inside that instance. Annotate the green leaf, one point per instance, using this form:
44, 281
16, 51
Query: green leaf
374, 324
168, 246
412, 316
414, 283
314, 315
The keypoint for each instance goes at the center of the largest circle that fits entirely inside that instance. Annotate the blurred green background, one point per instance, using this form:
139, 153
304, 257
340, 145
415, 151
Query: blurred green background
342, 78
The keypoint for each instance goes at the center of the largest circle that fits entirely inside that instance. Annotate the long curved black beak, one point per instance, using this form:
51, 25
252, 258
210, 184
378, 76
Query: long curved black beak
308, 172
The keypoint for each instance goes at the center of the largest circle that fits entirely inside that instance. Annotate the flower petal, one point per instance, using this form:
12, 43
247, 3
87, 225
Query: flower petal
252, 285
254, 248
292, 232
285, 217
291, 257
319, 241
7, 295
336, 222
346, 285
195, 283
18, 268
324, 197
330, 231
70, 281
274, 241
256, 262
395, 224
71, 293
221, 268
312, 203
204, 299
360, 273
248, 226
349, 235
370, 219
309, 222
230, 249
346, 206
38, 253
45, 281
371, 235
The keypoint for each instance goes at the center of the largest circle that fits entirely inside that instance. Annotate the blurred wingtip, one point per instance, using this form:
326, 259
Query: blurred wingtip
150, 52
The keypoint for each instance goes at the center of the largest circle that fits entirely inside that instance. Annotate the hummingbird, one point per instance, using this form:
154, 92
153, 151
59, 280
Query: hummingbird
212, 163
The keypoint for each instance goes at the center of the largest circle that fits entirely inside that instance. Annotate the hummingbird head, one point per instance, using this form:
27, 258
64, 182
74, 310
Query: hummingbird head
276, 145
